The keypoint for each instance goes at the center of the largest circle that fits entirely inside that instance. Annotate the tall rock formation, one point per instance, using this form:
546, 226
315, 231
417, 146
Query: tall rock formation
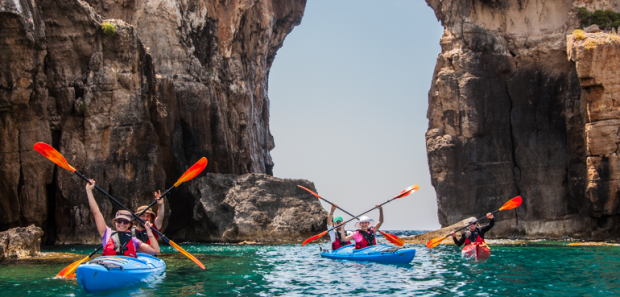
507, 117
180, 80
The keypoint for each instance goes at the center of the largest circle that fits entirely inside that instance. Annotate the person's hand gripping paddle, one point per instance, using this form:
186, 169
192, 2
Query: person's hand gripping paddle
390, 237
512, 203
402, 194
54, 156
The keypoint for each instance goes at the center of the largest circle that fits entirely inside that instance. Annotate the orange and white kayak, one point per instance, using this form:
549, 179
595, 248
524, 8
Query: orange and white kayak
478, 251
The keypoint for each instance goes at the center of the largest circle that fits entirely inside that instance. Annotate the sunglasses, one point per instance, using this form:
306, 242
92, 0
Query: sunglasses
123, 222
338, 222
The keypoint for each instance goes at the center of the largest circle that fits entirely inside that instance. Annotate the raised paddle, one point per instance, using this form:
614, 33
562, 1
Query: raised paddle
54, 156
390, 237
402, 194
512, 203
69, 271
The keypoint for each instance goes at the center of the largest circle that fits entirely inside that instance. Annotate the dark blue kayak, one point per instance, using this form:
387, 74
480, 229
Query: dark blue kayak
115, 272
377, 253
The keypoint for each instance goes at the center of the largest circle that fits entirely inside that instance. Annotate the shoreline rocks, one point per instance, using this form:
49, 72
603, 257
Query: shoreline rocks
20, 242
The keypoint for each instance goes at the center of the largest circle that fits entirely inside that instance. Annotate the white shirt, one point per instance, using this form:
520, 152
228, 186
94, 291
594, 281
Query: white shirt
332, 233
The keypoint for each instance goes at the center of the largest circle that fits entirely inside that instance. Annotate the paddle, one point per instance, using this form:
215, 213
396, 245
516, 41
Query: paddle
512, 203
390, 237
69, 271
404, 193
54, 156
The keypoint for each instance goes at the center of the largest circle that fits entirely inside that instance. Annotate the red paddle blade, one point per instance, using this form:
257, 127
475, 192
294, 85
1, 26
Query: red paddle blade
407, 191
311, 192
53, 155
192, 171
435, 241
313, 238
393, 238
513, 203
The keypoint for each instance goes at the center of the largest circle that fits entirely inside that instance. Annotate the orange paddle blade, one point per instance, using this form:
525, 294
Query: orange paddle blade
514, 202
313, 238
184, 252
435, 241
69, 271
192, 171
393, 238
408, 191
53, 155
311, 192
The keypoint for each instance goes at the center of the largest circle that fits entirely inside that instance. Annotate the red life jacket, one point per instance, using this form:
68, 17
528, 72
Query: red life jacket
366, 238
479, 240
120, 244
337, 242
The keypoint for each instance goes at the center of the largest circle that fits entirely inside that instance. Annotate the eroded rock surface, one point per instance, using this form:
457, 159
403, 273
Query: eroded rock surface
20, 242
507, 117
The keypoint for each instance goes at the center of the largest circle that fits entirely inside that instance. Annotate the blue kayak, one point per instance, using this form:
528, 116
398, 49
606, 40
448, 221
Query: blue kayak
115, 272
377, 253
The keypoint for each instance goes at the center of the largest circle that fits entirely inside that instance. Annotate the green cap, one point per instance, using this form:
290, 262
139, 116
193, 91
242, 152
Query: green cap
337, 219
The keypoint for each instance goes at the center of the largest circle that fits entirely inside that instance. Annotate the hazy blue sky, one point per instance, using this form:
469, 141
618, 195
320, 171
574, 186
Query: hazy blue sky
349, 95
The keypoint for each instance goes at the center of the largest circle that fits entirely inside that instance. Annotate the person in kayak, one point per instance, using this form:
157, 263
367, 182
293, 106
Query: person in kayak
475, 233
336, 237
121, 242
365, 235
149, 216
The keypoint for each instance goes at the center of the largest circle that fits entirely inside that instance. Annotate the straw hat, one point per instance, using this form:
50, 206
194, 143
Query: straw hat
370, 221
123, 214
142, 208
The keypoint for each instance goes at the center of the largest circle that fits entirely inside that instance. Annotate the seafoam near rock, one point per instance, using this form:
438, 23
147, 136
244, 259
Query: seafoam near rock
20, 242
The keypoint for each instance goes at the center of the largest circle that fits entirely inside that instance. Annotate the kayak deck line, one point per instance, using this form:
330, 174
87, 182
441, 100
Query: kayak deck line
376, 253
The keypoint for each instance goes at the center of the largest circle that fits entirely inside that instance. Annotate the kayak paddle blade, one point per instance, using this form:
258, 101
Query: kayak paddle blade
311, 192
393, 238
407, 191
313, 238
192, 171
69, 271
513, 203
435, 241
184, 252
53, 155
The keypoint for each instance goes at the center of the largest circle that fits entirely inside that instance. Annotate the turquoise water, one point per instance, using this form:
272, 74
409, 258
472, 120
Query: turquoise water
540, 269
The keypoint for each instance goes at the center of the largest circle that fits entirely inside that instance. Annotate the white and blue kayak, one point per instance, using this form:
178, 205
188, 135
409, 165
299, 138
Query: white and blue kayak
115, 272
376, 253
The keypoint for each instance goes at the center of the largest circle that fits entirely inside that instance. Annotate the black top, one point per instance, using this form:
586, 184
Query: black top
472, 236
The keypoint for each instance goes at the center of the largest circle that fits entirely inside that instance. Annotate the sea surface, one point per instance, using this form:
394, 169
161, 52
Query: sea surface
541, 268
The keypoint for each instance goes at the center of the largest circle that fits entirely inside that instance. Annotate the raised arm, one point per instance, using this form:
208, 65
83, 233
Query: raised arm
159, 220
330, 217
488, 227
94, 208
380, 222
154, 247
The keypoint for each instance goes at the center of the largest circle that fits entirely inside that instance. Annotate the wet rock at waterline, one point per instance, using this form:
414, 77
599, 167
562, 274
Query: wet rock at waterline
20, 242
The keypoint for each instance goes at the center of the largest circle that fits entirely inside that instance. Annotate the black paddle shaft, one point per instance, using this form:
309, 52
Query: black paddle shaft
354, 217
123, 206
341, 209
155, 201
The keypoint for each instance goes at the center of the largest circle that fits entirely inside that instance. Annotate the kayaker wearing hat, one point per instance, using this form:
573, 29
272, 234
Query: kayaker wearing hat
475, 233
121, 242
149, 216
336, 237
365, 236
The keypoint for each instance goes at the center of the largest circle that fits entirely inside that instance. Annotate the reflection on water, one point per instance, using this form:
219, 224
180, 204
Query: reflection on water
549, 269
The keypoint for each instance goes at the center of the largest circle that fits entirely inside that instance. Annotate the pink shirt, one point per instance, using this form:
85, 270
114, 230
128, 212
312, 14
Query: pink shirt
359, 237
108, 233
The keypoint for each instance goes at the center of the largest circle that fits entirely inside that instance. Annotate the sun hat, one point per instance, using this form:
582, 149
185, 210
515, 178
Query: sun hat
142, 208
336, 219
123, 214
370, 221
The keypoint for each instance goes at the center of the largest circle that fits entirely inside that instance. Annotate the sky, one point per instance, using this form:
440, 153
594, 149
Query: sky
349, 96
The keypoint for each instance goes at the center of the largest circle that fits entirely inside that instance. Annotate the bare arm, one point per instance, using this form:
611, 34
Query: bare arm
343, 235
154, 247
94, 208
330, 217
378, 225
159, 220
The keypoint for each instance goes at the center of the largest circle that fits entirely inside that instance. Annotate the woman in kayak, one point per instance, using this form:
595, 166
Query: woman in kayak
336, 237
475, 233
121, 242
149, 216
365, 235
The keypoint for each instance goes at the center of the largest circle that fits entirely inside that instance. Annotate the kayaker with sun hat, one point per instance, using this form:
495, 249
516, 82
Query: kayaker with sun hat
149, 216
334, 235
121, 242
475, 233
365, 235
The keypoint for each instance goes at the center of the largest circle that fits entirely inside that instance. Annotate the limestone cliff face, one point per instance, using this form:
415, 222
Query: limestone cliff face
180, 80
507, 117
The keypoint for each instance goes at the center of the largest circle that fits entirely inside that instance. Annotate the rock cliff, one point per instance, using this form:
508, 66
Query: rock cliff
510, 114
180, 79
20, 242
